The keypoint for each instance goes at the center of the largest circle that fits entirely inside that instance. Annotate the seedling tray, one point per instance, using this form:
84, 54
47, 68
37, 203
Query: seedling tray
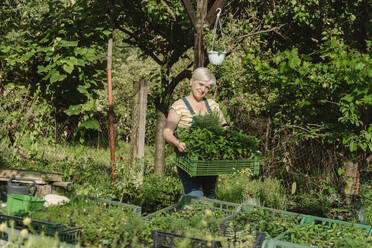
14, 236
248, 207
282, 239
319, 220
65, 234
262, 219
135, 208
171, 240
227, 208
195, 167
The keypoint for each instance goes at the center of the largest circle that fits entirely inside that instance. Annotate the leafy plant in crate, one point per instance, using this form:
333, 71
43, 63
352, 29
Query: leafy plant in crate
208, 140
213, 150
113, 224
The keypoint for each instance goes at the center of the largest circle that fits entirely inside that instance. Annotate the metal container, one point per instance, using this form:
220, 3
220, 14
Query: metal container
18, 188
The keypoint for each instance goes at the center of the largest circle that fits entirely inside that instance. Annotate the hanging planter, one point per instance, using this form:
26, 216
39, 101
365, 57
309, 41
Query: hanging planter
215, 46
216, 58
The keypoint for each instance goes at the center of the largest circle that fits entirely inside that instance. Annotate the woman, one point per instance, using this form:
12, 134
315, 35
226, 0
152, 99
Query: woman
180, 116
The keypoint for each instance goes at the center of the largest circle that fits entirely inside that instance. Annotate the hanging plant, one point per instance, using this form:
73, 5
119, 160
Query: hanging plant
216, 44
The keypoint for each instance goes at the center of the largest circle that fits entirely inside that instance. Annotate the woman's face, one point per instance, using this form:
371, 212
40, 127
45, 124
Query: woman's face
199, 88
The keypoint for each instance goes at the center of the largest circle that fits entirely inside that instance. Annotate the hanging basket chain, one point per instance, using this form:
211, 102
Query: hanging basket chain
219, 10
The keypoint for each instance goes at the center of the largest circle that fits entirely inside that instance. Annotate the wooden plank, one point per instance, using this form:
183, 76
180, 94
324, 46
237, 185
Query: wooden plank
36, 175
37, 180
62, 184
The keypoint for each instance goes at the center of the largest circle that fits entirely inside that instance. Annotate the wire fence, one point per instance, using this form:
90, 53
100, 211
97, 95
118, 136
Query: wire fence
288, 155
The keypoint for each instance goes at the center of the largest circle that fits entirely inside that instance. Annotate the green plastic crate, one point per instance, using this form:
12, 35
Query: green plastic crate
281, 242
296, 218
227, 208
196, 167
165, 239
274, 243
135, 208
317, 220
21, 204
65, 234
14, 236
247, 207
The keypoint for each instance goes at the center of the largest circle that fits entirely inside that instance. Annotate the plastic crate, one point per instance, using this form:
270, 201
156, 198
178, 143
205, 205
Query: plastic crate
320, 220
65, 234
292, 219
240, 237
248, 207
21, 204
280, 241
227, 208
135, 208
169, 240
274, 243
14, 236
196, 167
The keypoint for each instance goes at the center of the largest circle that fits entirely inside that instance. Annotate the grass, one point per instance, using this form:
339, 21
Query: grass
51, 156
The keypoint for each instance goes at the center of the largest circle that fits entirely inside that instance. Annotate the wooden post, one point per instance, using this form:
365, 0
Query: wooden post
110, 106
138, 127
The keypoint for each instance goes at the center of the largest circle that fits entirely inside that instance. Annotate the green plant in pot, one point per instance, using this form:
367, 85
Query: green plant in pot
216, 46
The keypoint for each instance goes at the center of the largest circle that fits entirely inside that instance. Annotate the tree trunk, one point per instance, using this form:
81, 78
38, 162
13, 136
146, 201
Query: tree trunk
201, 14
160, 143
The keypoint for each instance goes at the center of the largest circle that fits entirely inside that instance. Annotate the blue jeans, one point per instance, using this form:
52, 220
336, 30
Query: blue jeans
197, 186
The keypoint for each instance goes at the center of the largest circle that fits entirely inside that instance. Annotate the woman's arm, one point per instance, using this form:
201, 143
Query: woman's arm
168, 132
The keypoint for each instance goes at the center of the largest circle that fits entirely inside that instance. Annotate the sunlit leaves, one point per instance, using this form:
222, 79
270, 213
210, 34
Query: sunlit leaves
332, 92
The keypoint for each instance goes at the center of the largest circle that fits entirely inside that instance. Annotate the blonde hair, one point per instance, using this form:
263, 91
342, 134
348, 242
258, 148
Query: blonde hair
204, 74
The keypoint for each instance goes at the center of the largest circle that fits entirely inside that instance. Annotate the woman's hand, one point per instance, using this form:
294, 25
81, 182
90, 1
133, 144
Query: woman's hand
181, 146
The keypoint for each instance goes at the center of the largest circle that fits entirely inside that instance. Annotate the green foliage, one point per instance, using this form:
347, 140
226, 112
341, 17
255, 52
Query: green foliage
24, 118
241, 187
265, 220
156, 192
207, 140
366, 200
52, 50
269, 192
101, 222
326, 234
324, 201
197, 220
209, 121
332, 92
231, 187
215, 41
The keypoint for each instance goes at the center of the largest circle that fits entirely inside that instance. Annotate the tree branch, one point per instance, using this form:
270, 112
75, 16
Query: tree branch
140, 45
171, 86
241, 38
170, 11
190, 12
211, 16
